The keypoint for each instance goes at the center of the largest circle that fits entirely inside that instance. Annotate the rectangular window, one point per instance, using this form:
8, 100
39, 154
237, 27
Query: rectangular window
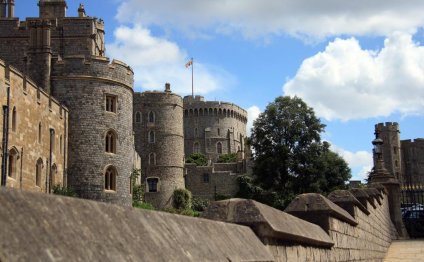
205, 178
111, 103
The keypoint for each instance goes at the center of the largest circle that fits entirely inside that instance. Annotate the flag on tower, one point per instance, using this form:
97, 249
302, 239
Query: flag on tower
189, 63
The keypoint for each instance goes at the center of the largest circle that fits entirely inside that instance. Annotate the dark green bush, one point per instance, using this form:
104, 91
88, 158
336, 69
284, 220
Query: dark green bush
64, 191
198, 159
181, 199
200, 204
228, 158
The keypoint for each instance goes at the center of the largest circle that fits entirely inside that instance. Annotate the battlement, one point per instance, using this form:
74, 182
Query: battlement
388, 126
98, 68
413, 141
198, 107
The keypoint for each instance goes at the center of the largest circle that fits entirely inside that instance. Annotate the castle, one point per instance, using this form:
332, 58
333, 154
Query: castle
402, 158
71, 118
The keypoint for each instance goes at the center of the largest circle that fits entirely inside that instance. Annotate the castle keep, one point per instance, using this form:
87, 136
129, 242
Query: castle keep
65, 57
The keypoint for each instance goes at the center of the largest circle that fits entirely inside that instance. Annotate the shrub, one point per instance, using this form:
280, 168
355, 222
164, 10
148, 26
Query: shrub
143, 205
198, 159
228, 158
64, 191
200, 204
181, 199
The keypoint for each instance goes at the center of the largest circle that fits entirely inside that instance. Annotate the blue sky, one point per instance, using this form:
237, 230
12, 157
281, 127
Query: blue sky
357, 63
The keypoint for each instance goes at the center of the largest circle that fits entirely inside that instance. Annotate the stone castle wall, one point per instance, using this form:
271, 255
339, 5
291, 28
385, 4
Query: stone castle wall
35, 111
208, 182
413, 161
207, 123
83, 85
160, 114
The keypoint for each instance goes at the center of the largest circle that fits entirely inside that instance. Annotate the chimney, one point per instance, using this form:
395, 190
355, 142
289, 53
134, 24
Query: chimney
11, 8
168, 88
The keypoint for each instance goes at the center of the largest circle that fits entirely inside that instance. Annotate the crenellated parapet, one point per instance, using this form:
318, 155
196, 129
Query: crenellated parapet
98, 68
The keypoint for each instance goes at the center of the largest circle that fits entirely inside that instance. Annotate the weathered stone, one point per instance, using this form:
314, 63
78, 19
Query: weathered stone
347, 201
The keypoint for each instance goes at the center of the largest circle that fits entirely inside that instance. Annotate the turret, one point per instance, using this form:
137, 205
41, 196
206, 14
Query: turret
51, 9
3, 7
11, 8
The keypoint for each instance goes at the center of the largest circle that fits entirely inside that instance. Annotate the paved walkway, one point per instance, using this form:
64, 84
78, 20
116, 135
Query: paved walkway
405, 251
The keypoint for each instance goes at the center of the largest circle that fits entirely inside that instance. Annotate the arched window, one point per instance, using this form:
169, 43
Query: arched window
152, 184
53, 176
196, 112
201, 111
152, 159
13, 159
196, 132
151, 117
110, 178
138, 117
38, 172
186, 113
14, 119
151, 137
110, 142
196, 147
52, 139
219, 132
219, 148
39, 132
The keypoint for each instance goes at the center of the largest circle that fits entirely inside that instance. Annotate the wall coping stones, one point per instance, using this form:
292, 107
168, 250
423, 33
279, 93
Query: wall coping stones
268, 222
317, 209
52, 228
361, 195
379, 187
347, 201
374, 194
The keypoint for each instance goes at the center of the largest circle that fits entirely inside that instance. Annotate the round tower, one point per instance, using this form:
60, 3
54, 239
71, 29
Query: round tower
390, 133
213, 128
99, 97
158, 127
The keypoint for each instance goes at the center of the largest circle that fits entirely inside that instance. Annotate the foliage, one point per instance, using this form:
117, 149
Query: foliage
289, 157
228, 158
143, 205
197, 158
64, 191
137, 190
182, 199
200, 204
221, 197
185, 212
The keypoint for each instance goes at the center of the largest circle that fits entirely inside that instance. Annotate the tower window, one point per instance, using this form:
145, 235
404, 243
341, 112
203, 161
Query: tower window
110, 142
205, 178
13, 159
219, 148
39, 133
138, 117
152, 184
111, 103
151, 137
152, 159
110, 179
151, 117
14, 119
196, 147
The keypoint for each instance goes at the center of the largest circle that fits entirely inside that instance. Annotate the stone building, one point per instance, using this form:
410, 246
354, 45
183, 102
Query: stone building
65, 56
34, 134
213, 128
403, 158
159, 139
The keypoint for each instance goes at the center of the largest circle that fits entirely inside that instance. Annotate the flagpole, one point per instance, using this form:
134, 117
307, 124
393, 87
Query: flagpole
192, 78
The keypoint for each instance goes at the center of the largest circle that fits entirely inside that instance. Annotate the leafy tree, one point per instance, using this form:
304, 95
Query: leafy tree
228, 158
197, 158
289, 157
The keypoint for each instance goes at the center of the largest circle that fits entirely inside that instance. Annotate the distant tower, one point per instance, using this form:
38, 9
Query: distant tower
213, 128
389, 133
158, 127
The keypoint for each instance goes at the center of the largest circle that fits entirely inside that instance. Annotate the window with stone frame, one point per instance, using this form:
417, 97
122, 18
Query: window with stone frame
138, 117
38, 172
152, 159
110, 142
152, 184
110, 178
14, 119
13, 162
151, 137
39, 132
219, 148
111, 103
152, 117
196, 147
53, 176
205, 178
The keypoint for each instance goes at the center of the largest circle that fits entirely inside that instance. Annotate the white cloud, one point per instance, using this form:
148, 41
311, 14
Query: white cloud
360, 162
252, 113
347, 82
302, 18
156, 60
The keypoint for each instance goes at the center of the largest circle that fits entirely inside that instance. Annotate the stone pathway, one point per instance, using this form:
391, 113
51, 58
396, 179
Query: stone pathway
405, 251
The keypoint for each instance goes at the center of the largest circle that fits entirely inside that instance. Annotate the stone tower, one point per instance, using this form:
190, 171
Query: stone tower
158, 127
65, 56
391, 149
213, 128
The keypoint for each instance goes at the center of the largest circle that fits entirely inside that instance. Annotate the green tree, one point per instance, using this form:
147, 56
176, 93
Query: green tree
289, 157
197, 158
